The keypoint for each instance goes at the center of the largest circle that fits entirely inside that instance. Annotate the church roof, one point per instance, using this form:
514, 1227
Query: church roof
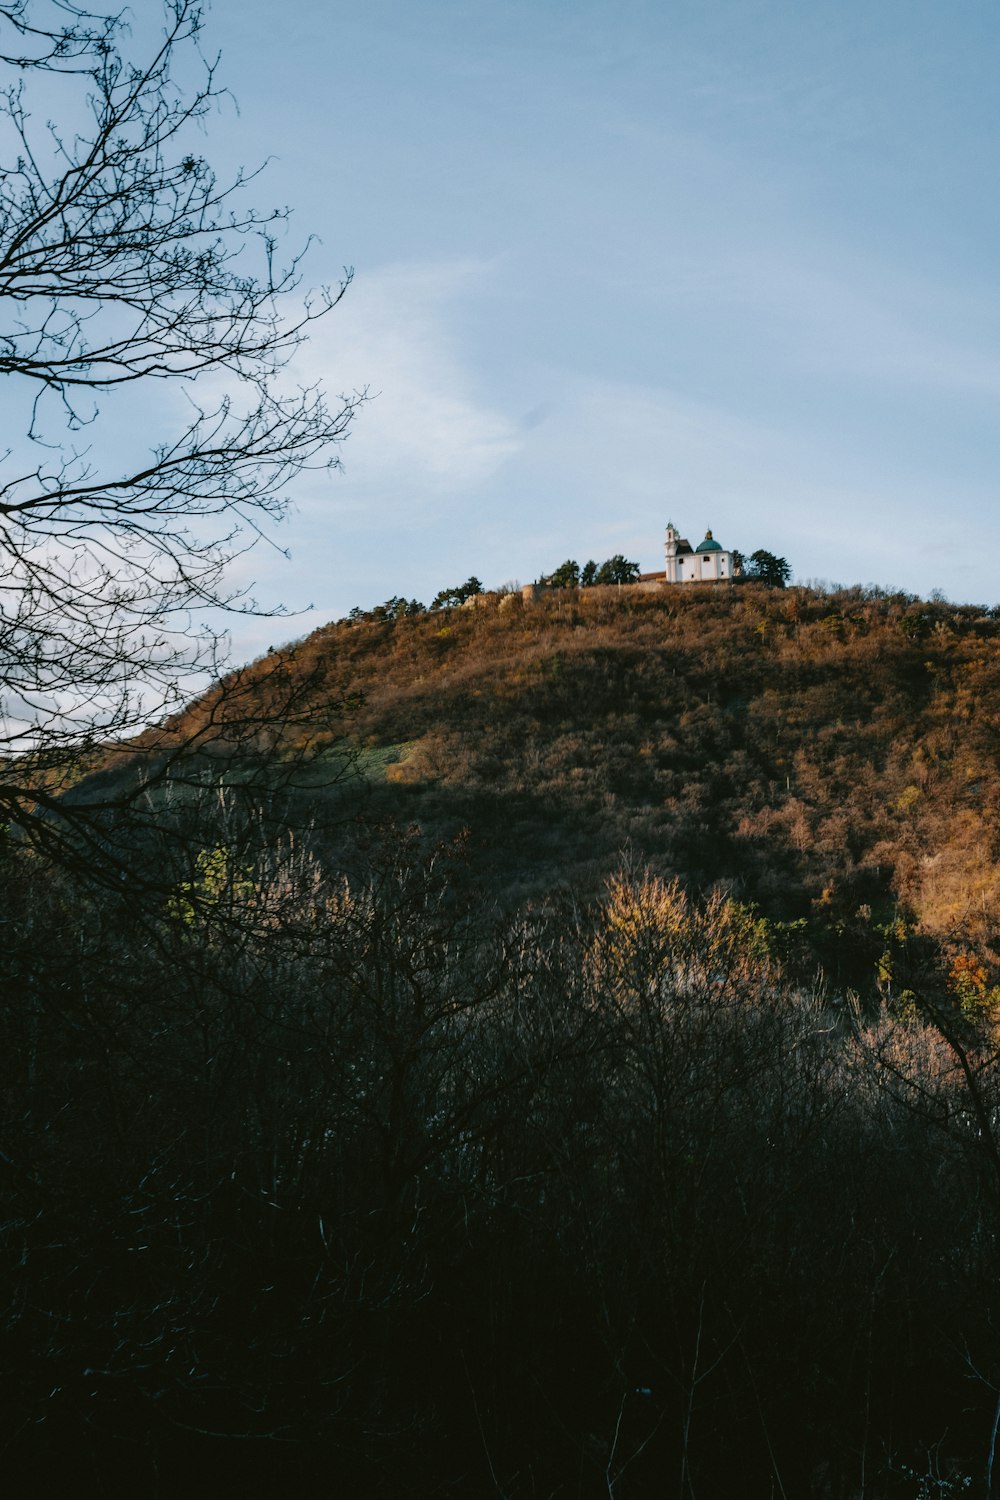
709, 544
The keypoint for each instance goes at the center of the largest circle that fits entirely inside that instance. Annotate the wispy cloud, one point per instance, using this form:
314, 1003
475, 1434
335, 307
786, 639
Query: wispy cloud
424, 431
421, 450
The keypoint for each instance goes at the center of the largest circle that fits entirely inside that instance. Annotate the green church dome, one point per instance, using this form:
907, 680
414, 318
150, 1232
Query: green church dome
708, 545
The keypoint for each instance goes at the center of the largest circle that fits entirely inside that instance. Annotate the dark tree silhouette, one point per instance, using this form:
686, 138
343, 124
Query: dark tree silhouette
766, 568
617, 569
448, 597
130, 274
566, 576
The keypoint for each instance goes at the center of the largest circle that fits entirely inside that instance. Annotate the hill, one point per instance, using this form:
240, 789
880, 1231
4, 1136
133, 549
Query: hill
831, 758
440, 1099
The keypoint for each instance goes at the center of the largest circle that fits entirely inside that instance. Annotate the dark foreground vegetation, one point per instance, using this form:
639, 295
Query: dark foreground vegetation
378, 1157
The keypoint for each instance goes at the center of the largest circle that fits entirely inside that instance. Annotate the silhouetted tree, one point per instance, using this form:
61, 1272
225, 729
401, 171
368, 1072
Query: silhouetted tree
449, 597
766, 568
617, 570
566, 576
128, 268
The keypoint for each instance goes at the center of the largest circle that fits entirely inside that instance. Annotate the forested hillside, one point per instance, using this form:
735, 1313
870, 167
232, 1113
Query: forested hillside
832, 758
537, 1049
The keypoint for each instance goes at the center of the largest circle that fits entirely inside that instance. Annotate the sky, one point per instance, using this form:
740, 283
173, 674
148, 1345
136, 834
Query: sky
731, 263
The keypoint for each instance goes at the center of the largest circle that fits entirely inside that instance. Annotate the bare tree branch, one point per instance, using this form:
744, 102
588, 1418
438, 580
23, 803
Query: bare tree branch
124, 260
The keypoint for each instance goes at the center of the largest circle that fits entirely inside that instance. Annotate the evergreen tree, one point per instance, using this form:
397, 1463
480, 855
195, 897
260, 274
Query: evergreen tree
766, 568
617, 570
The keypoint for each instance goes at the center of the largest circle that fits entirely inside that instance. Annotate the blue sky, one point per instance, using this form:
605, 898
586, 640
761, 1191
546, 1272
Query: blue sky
734, 264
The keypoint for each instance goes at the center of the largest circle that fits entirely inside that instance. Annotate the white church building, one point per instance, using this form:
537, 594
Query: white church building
706, 563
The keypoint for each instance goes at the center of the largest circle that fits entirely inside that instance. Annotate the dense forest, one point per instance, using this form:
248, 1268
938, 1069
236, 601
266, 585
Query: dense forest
520, 1050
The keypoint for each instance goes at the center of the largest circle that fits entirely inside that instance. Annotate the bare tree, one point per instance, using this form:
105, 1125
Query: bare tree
126, 264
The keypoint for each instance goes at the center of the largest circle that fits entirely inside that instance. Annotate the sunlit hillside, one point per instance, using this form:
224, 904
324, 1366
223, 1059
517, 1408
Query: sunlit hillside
832, 758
